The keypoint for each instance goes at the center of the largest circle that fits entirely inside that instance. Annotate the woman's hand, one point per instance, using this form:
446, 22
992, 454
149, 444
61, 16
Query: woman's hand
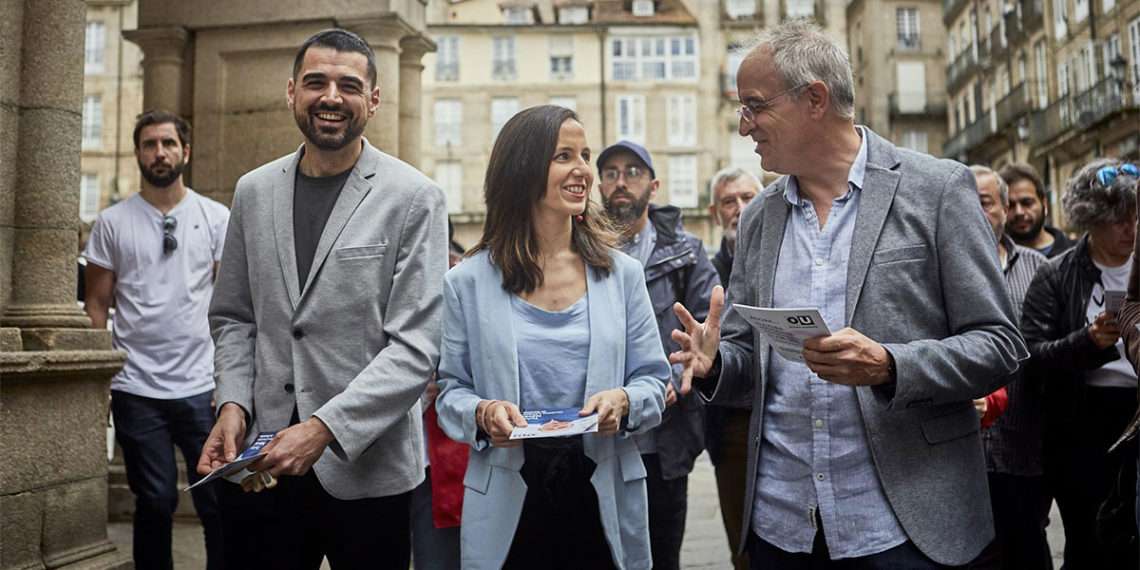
611, 406
497, 419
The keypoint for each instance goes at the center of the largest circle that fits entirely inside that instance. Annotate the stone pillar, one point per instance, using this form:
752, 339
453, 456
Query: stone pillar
412, 50
44, 235
165, 69
384, 35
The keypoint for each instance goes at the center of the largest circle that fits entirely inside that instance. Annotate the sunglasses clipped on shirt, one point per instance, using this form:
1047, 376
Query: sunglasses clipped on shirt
1108, 174
169, 242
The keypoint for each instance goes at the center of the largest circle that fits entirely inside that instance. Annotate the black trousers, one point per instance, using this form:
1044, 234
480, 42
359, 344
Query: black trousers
560, 527
763, 555
1021, 507
297, 524
668, 505
1079, 474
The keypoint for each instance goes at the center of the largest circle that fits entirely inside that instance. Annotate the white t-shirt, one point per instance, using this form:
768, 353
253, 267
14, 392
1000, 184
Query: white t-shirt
1119, 372
161, 300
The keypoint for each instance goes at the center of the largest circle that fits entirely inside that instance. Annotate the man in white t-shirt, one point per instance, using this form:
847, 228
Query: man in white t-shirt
155, 255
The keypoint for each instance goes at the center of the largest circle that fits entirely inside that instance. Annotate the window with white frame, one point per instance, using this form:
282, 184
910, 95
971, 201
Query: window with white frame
1108, 5
88, 197
92, 121
661, 58
643, 8
1111, 50
561, 56
737, 9
1042, 68
448, 122
1134, 47
94, 47
915, 140
682, 118
566, 102
1080, 10
1060, 18
503, 58
502, 109
742, 153
731, 66
906, 23
631, 117
449, 176
518, 15
447, 58
794, 9
574, 15
683, 180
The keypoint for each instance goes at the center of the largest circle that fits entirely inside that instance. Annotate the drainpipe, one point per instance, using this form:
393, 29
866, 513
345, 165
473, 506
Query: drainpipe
118, 109
600, 30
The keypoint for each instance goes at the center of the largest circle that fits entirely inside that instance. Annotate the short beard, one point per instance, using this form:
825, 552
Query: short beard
1027, 236
626, 214
325, 141
161, 181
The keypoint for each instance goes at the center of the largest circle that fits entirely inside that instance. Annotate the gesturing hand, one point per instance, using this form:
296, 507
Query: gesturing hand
295, 449
611, 406
1104, 331
699, 341
221, 445
497, 419
848, 357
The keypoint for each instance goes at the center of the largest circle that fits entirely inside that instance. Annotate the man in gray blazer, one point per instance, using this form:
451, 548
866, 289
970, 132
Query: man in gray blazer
867, 452
326, 317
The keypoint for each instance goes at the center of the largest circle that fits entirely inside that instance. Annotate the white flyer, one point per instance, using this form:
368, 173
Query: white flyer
785, 329
1113, 300
562, 422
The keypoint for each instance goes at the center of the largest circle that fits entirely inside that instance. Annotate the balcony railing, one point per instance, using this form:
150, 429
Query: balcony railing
957, 72
980, 130
1014, 29
448, 71
955, 146
909, 43
1052, 122
503, 69
935, 107
951, 9
1032, 15
1013, 106
1098, 102
999, 45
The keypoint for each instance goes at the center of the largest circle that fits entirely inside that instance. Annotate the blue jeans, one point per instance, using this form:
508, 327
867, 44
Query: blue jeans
148, 430
432, 548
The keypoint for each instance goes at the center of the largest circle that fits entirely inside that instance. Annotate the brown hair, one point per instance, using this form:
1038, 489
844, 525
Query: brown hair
1016, 172
160, 117
516, 181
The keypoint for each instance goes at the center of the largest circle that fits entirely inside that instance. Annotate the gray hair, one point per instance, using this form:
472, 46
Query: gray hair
1003, 188
802, 53
728, 175
1089, 204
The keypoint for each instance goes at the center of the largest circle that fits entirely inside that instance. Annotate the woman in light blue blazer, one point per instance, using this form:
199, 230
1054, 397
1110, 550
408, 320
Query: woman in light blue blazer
545, 314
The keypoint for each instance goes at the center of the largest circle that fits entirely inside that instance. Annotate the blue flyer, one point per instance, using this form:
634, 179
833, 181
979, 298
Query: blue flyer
562, 422
251, 454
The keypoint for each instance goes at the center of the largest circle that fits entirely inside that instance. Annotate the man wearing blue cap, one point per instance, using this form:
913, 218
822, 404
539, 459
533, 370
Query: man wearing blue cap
676, 270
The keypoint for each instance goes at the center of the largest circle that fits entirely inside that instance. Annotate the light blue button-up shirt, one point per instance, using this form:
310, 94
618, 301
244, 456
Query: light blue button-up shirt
814, 455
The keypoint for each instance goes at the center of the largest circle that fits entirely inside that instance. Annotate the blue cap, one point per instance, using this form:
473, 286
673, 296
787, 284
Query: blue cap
628, 146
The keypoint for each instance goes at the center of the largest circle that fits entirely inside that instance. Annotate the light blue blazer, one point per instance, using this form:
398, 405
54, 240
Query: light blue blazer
479, 360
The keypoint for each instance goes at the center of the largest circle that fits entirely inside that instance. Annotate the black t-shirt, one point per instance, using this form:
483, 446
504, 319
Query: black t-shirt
313, 201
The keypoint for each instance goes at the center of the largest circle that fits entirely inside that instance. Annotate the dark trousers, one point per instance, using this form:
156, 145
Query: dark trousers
766, 556
296, 524
432, 548
668, 505
1021, 508
1079, 474
148, 430
560, 527
731, 467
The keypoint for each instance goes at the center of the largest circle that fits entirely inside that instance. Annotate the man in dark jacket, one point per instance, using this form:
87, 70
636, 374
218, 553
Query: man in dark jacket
1028, 210
676, 270
1075, 345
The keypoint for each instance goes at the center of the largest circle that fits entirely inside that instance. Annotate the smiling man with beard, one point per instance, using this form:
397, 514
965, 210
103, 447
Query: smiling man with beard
327, 325
676, 270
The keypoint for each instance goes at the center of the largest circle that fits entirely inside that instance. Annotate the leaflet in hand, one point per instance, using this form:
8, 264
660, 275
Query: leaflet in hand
555, 423
1113, 300
251, 454
785, 329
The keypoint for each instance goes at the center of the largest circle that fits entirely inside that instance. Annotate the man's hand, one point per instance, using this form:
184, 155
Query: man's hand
611, 406
221, 445
847, 357
981, 405
670, 394
498, 419
295, 449
1104, 331
430, 392
699, 341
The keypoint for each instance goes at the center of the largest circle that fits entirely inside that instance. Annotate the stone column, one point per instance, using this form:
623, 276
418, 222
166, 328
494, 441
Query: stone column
44, 236
412, 50
164, 68
384, 35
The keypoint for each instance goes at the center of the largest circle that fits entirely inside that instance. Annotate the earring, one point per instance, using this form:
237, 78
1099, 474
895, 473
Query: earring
579, 218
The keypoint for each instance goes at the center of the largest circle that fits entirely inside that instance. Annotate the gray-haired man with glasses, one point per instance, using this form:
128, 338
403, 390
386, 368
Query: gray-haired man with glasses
155, 255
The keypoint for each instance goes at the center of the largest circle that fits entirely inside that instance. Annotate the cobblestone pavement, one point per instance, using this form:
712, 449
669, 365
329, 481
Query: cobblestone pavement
705, 544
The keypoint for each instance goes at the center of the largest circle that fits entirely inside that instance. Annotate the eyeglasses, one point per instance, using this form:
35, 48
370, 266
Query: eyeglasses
169, 242
1107, 174
748, 111
611, 175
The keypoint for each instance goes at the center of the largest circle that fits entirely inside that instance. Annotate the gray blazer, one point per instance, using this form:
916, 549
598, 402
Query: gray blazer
480, 361
923, 279
356, 344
